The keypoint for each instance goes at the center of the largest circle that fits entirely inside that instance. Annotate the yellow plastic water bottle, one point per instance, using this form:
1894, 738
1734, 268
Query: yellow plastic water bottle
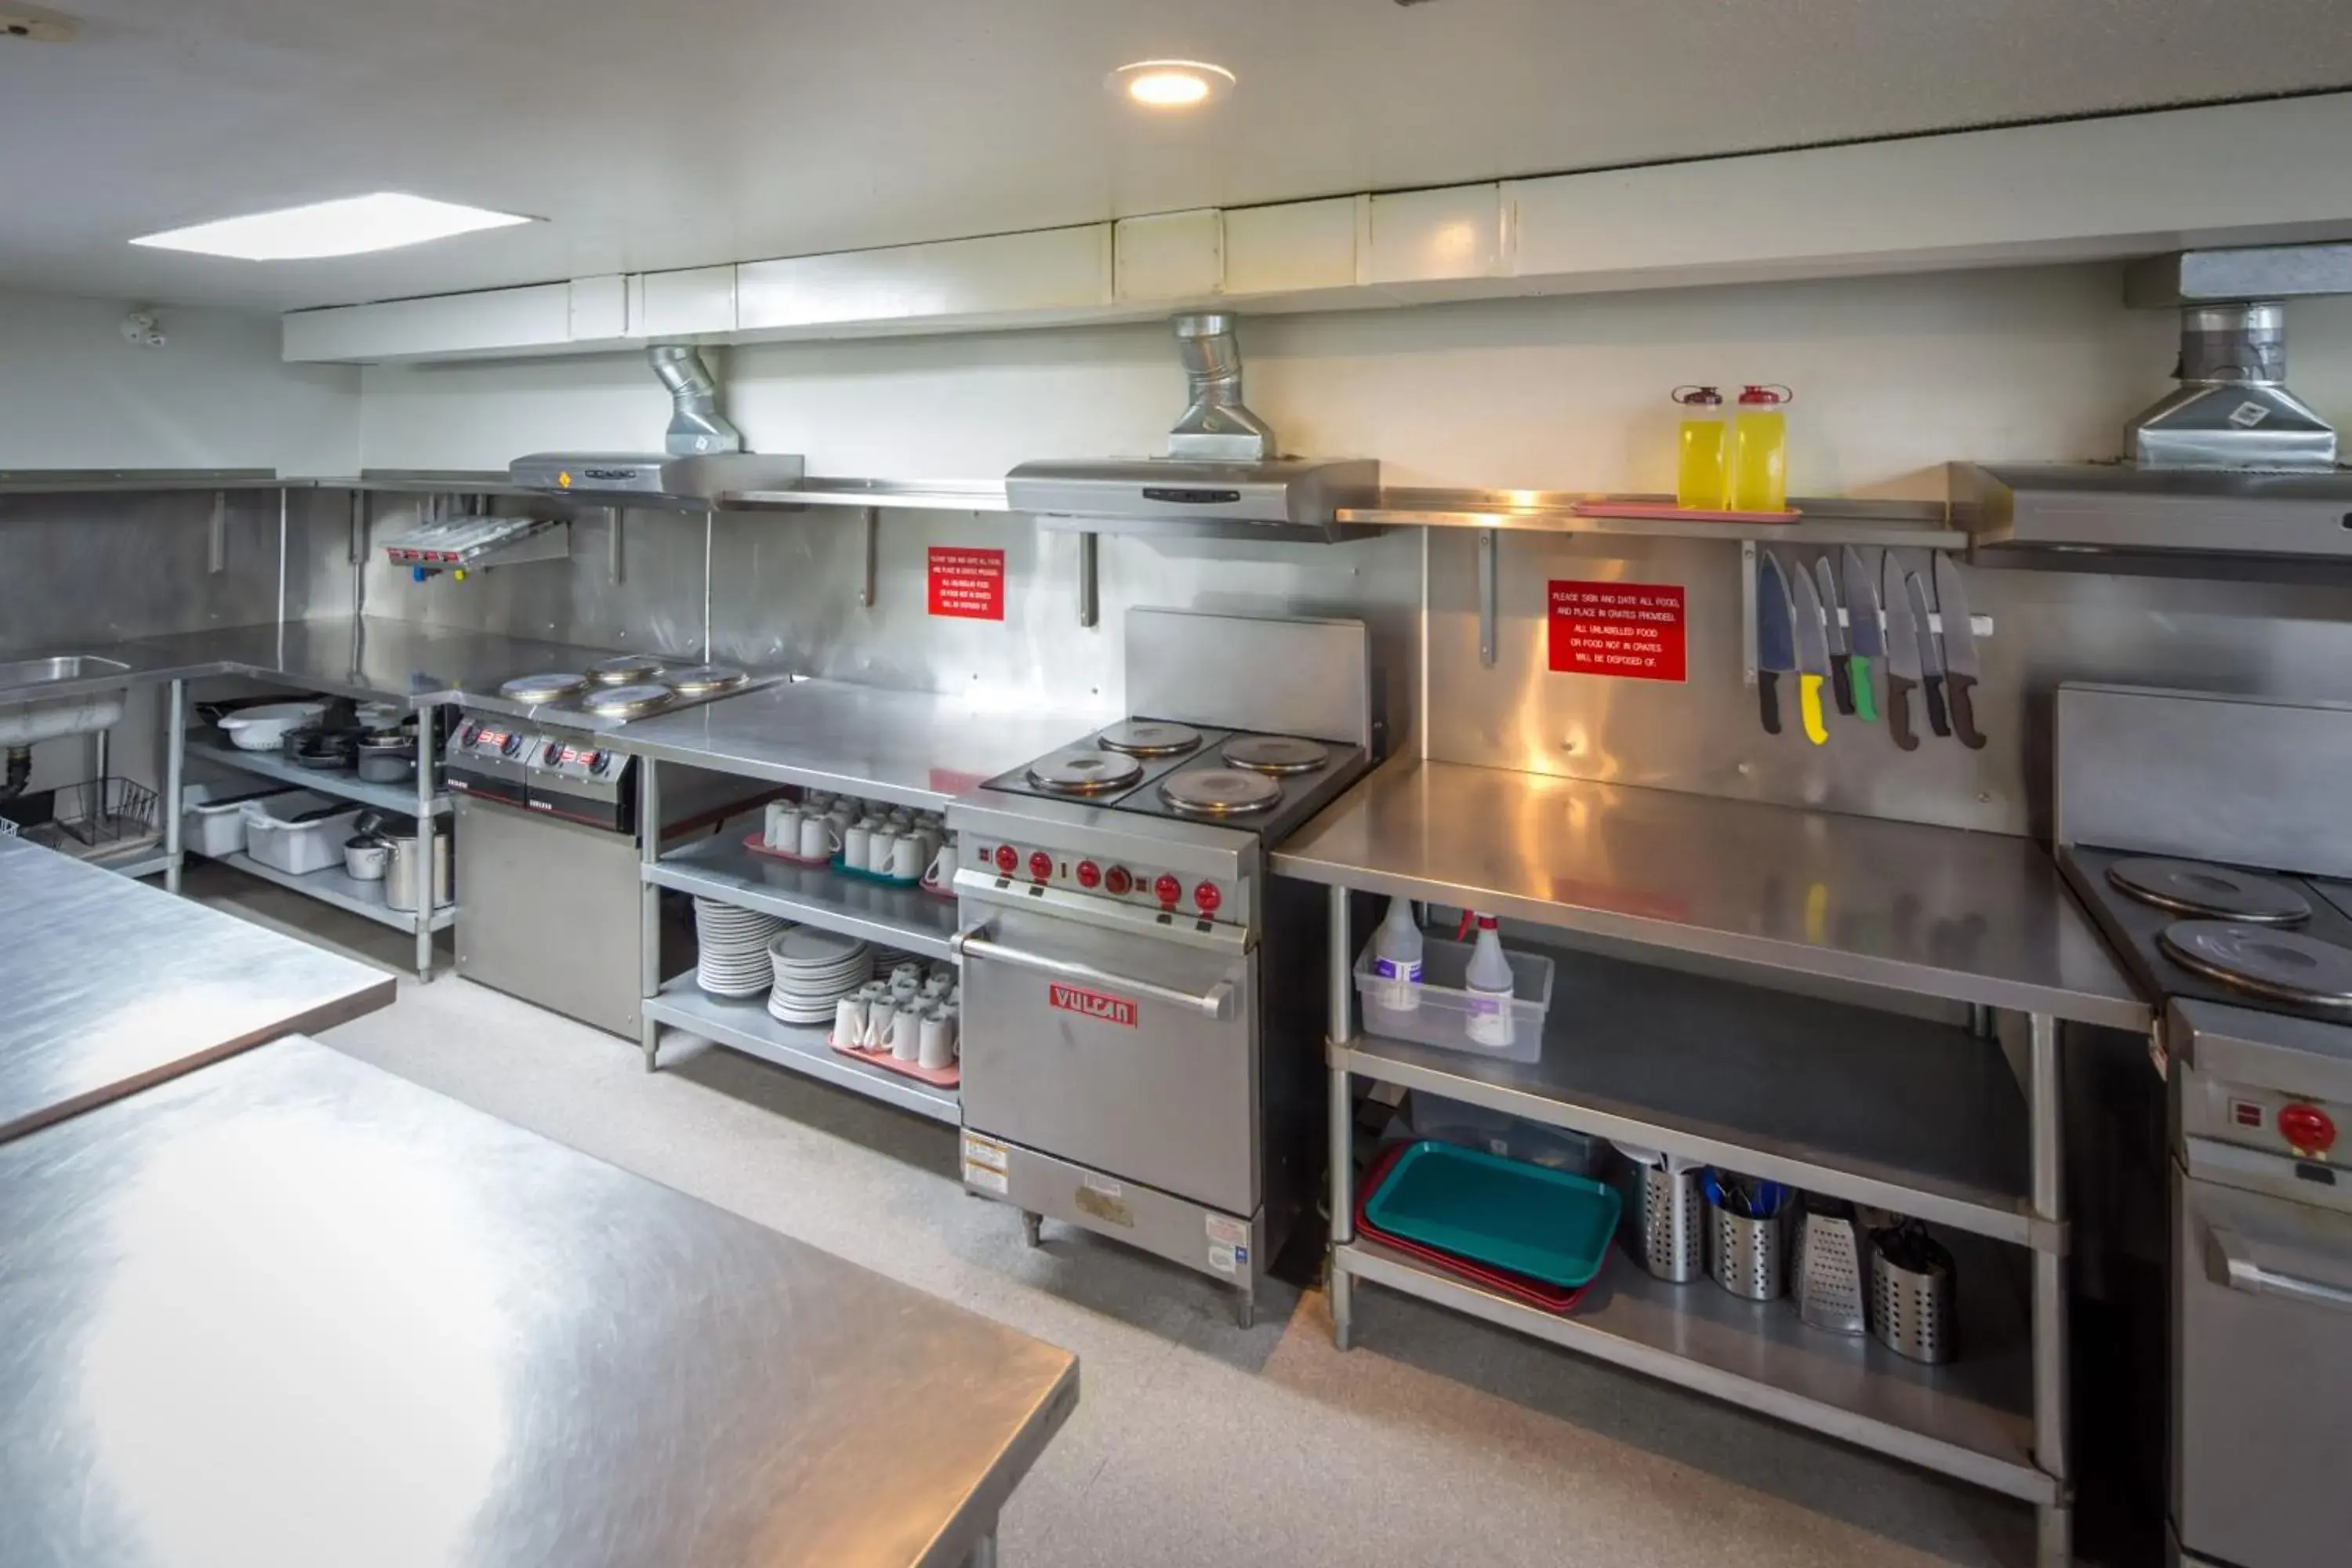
1703, 473
1760, 440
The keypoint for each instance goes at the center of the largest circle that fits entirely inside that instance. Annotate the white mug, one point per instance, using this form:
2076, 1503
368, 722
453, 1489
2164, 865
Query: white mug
885, 847
785, 823
908, 969
942, 869
849, 1021
819, 838
881, 1016
857, 847
906, 1033
937, 1040
907, 858
937, 985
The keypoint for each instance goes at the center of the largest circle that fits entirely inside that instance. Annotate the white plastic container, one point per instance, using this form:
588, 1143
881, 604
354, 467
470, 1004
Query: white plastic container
212, 819
296, 849
1444, 1017
1397, 949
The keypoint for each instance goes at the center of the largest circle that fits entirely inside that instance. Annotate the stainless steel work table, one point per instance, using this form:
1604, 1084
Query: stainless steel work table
911, 748
292, 1310
107, 986
1875, 1105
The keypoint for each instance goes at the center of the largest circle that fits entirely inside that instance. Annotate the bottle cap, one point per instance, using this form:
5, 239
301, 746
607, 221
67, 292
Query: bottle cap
1705, 397
1773, 393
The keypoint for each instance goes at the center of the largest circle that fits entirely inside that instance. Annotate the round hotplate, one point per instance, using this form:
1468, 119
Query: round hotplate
1275, 754
702, 679
1150, 738
1220, 791
624, 669
1084, 772
627, 701
553, 686
2283, 964
2220, 892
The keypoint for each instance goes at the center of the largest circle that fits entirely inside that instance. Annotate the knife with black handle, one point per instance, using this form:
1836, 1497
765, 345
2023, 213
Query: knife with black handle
1959, 650
1776, 637
1841, 661
1931, 653
1902, 653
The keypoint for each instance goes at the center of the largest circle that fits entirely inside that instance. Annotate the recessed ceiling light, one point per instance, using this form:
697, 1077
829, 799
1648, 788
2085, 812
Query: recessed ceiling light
351, 225
1171, 84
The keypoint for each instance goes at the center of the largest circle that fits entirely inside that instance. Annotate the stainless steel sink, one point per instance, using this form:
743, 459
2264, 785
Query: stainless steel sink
48, 671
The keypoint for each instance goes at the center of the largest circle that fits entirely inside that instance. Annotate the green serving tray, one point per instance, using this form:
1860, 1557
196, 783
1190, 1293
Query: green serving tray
1548, 1224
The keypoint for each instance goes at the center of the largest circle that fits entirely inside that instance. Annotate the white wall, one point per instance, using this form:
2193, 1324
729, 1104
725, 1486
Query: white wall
1894, 376
74, 395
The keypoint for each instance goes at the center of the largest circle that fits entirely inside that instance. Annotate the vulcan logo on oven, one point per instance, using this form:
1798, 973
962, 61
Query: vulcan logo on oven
1092, 1004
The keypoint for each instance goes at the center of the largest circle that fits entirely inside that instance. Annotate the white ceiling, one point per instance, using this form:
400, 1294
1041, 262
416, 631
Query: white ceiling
688, 132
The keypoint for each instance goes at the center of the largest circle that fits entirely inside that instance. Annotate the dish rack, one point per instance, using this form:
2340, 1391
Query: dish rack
95, 819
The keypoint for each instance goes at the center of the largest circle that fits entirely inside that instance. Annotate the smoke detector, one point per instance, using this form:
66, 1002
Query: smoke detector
38, 27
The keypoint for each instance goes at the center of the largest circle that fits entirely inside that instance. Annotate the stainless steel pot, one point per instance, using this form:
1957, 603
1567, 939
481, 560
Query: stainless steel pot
387, 758
402, 880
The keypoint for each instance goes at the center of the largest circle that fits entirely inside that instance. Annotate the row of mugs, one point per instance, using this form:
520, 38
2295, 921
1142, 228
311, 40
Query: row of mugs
868, 844
918, 1029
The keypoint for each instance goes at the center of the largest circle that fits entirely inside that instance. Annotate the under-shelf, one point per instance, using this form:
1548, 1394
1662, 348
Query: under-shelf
1969, 1418
1823, 521
400, 799
1884, 1108
333, 885
720, 867
745, 1025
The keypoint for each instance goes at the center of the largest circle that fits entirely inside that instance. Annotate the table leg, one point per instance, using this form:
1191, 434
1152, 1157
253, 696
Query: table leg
984, 1552
176, 764
2054, 1522
1340, 1029
649, 934
428, 829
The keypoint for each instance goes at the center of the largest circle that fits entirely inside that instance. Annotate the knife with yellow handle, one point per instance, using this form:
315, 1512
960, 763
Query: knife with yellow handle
1812, 659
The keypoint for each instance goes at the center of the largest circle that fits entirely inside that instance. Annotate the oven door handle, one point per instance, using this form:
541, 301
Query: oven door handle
1216, 1004
2231, 1265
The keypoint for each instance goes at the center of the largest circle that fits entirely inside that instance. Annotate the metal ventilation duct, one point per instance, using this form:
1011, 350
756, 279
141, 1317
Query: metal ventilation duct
2232, 409
704, 462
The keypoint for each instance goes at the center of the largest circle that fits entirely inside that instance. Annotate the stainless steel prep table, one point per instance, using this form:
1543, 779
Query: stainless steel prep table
293, 1310
107, 986
912, 748
1866, 1105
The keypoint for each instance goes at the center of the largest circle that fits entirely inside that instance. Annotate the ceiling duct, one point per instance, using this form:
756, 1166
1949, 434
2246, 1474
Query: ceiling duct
696, 425
2232, 409
1218, 425
703, 463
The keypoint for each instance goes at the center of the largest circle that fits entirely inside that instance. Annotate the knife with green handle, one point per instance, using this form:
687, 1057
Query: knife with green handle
1902, 653
1866, 636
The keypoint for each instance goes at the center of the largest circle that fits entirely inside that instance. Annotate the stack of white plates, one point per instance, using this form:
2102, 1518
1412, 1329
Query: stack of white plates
814, 970
734, 945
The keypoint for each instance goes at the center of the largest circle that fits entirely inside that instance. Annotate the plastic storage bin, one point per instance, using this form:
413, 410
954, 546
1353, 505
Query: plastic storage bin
1443, 1019
298, 848
1500, 1132
212, 817
1547, 1224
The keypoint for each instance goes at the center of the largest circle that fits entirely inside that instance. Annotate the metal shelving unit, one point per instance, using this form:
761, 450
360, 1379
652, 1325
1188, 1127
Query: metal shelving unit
746, 1026
333, 886
719, 868
1825, 520
400, 798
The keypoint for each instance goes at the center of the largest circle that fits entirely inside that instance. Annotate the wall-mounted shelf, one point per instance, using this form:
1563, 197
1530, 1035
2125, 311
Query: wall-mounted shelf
906, 495
68, 481
1925, 525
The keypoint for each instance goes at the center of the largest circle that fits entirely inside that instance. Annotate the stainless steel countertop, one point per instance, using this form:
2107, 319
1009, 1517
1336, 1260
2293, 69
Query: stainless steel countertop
915, 748
366, 657
292, 1311
1973, 917
108, 985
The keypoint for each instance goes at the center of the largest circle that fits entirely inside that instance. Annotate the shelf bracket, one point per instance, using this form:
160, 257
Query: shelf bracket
1748, 610
356, 541
870, 528
216, 541
613, 545
1089, 604
1486, 552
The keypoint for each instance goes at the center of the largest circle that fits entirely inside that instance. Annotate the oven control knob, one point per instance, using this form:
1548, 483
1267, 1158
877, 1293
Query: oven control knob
1006, 858
473, 733
1205, 897
592, 761
514, 744
1089, 875
1168, 889
1041, 865
1117, 880
2310, 1130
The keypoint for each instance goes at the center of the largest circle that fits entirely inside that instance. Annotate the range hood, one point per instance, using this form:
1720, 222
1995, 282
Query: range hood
1221, 477
2228, 463
703, 460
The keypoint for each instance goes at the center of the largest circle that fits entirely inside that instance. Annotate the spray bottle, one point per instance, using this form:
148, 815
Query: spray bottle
1396, 960
1488, 982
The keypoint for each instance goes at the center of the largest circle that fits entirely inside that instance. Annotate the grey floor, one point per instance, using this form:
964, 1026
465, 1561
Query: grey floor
1437, 1441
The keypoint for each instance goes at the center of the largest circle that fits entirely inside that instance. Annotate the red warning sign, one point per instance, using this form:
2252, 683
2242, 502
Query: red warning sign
1629, 630
969, 583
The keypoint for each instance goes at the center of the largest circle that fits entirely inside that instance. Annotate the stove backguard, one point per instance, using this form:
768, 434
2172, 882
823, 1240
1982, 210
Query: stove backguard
1277, 676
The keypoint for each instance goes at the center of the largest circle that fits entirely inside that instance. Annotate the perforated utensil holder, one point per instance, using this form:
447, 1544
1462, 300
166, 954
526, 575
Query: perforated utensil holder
1665, 1219
1749, 1258
1829, 1266
1911, 1294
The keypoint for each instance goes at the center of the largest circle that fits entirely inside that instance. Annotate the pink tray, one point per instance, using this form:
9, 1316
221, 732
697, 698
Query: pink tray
938, 1078
757, 843
1665, 509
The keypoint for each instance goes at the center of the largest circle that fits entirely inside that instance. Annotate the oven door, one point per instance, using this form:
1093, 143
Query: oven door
2262, 1357
1133, 1057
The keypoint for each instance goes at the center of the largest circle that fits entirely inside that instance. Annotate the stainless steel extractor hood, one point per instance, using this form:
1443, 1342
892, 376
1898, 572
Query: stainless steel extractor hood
1222, 476
703, 460
2228, 463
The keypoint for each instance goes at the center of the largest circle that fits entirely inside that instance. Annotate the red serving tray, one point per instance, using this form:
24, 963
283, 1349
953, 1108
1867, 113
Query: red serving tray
1536, 1293
938, 1078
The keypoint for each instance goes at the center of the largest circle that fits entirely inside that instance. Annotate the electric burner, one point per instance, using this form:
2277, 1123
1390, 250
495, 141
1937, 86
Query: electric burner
2216, 892
553, 686
1084, 772
624, 669
628, 702
2283, 964
1280, 754
1150, 738
1220, 791
703, 680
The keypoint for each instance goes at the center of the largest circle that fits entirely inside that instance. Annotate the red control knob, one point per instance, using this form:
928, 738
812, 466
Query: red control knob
1118, 881
1206, 898
2309, 1128
1006, 860
1041, 865
1089, 875
1169, 890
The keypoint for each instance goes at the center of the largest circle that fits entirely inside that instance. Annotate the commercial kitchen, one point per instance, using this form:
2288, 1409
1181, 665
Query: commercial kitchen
1299, 785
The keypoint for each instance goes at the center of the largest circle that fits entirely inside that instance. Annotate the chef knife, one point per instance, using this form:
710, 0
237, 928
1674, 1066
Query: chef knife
1960, 649
1776, 637
1826, 574
1869, 638
1931, 652
1812, 659
1902, 653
